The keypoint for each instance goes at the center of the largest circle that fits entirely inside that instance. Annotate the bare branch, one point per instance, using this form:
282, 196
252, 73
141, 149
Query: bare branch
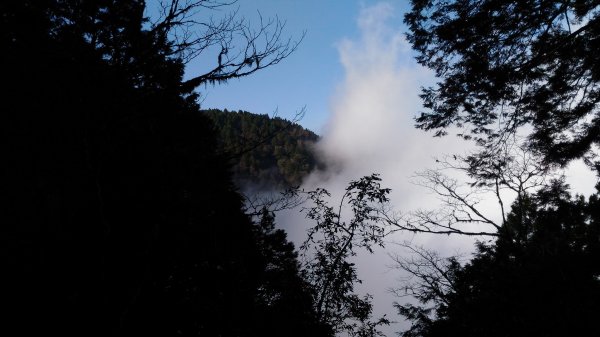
509, 168
289, 199
242, 48
429, 276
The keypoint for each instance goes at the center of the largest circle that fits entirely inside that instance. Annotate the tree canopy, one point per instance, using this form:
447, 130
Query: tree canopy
506, 68
119, 216
540, 277
507, 64
265, 152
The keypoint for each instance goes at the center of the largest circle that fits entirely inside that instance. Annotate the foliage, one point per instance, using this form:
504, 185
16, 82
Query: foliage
506, 64
119, 216
284, 297
330, 246
540, 277
339, 234
266, 152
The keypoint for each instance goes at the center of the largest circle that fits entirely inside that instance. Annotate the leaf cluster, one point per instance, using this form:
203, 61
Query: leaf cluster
332, 243
539, 277
506, 64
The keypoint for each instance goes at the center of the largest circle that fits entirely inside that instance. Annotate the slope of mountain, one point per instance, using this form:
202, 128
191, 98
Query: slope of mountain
265, 152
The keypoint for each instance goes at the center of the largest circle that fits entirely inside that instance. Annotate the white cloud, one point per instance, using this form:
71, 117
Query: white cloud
371, 130
371, 127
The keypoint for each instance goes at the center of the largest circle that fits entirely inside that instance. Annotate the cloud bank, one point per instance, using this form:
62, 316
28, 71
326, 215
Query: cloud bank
371, 130
371, 126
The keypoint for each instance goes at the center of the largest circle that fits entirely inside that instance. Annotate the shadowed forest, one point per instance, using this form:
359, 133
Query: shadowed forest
122, 211
266, 153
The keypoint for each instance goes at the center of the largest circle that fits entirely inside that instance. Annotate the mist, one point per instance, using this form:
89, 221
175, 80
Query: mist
371, 130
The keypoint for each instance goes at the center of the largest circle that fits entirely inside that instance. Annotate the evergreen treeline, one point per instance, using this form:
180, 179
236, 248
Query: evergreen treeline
119, 217
266, 152
540, 277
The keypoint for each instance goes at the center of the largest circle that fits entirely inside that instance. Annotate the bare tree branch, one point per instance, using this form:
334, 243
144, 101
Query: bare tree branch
429, 276
289, 199
510, 168
242, 47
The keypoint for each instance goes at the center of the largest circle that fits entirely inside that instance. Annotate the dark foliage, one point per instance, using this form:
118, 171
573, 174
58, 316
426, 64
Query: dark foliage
340, 232
333, 242
265, 152
540, 277
284, 299
118, 215
505, 64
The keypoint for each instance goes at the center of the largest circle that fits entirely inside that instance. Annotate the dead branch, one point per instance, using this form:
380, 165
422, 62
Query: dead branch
243, 48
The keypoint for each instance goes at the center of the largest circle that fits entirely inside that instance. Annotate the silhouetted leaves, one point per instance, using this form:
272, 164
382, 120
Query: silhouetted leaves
340, 232
505, 64
119, 216
540, 277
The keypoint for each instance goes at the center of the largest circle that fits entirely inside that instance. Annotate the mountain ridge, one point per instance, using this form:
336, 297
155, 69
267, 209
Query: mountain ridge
265, 152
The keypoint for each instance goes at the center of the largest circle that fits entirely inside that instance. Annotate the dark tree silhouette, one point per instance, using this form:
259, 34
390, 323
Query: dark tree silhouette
341, 230
540, 277
118, 215
284, 298
507, 64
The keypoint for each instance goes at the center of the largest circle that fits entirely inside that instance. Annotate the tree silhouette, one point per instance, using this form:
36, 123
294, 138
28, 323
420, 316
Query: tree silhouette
540, 277
285, 302
119, 217
329, 247
340, 231
507, 64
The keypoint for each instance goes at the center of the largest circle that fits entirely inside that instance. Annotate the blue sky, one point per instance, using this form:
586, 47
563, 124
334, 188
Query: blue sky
309, 76
357, 77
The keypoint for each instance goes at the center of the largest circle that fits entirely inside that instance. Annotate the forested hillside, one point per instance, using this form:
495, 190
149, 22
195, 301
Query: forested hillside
265, 152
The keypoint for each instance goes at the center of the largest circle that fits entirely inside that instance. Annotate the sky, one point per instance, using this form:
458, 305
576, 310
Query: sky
309, 76
356, 75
